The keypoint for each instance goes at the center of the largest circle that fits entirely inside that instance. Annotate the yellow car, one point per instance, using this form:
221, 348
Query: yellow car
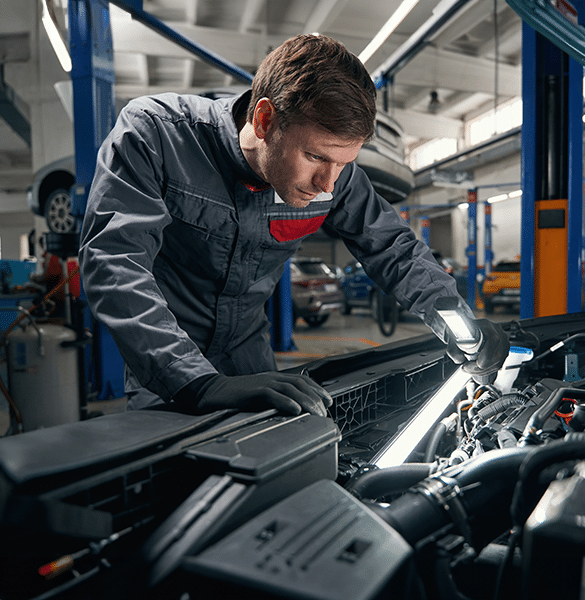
502, 286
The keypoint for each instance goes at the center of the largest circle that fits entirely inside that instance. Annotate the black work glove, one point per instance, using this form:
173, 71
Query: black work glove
491, 354
288, 393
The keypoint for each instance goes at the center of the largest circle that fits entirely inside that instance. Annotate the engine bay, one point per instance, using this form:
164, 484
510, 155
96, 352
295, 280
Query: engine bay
421, 484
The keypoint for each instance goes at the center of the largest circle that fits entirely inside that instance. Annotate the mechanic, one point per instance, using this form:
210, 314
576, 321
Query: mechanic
196, 205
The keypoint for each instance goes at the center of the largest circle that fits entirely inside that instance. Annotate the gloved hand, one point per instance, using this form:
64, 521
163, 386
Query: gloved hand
288, 393
491, 354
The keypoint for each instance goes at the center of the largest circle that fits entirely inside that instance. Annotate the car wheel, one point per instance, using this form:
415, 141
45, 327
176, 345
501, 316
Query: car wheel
346, 308
488, 306
58, 211
316, 321
384, 311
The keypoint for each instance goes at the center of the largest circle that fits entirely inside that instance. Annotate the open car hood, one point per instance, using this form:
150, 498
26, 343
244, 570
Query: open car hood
419, 485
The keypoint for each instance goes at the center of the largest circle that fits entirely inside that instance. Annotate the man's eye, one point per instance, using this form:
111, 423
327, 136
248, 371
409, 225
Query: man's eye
315, 157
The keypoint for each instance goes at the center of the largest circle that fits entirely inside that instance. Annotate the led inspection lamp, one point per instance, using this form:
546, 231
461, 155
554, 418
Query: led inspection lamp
466, 334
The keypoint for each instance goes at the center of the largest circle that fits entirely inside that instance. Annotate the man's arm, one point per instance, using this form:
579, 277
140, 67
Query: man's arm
121, 236
387, 247
402, 265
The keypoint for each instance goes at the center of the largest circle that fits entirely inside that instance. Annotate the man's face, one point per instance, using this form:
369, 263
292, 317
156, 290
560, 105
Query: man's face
304, 160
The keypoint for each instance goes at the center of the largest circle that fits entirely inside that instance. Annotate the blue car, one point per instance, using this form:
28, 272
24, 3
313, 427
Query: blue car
357, 287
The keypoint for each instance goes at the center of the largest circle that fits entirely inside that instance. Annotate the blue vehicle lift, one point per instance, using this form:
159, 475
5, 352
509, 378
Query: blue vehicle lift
553, 55
552, 155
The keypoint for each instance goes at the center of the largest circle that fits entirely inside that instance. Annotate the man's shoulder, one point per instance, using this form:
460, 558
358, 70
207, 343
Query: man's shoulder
173, 106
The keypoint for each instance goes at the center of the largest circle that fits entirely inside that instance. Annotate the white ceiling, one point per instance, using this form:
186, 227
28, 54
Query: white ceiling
459, 63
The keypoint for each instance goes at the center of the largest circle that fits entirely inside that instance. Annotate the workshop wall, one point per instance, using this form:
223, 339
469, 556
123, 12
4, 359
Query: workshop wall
506, 215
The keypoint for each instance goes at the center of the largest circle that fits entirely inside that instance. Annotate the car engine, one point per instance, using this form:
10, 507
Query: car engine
422, 484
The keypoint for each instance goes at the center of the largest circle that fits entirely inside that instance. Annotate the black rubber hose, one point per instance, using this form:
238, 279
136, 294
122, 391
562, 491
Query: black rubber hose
487, 396
486, 487
539, 417
434, 441
500, 405
380, 483
486, 484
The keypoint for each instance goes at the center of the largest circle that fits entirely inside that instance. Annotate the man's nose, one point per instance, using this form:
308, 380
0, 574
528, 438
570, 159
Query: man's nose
325, 179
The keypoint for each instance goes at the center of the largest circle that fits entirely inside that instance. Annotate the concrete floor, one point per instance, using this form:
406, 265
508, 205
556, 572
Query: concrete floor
340, 334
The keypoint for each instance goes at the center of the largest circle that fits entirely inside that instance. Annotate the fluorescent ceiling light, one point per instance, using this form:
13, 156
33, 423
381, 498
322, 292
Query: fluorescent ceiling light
55, 38
497, 198
391, 24
501, 197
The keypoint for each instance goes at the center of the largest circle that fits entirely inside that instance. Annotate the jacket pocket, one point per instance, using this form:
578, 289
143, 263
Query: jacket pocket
202, 233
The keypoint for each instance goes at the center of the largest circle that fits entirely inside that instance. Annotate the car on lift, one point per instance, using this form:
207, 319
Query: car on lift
382, 159
49, 195
316, 290
501, 287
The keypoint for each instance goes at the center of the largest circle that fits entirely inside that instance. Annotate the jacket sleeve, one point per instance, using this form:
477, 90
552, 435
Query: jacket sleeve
121, 236
388, 249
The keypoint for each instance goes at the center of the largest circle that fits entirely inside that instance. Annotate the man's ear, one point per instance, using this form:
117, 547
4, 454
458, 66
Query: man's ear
264, 117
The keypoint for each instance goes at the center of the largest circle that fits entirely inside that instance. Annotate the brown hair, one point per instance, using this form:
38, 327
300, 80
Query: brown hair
313, 77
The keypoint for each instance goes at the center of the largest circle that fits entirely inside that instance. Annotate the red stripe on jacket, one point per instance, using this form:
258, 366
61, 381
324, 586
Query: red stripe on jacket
285, 230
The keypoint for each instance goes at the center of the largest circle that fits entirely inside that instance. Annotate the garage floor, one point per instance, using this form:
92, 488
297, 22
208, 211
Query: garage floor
341, 334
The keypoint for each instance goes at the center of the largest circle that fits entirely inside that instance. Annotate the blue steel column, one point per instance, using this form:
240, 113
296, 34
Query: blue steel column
575, 188
92, 75
488, 255
530, 170
551, 171
471, 251
280, 313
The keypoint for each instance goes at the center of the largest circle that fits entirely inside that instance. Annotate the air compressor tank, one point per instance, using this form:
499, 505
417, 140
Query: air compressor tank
43, 374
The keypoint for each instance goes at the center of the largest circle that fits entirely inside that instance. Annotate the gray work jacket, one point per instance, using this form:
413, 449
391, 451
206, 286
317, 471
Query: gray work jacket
179, 253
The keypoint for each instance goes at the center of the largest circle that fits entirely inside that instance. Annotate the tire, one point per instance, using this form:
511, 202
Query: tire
385, 311
488, 307
346, 308
316, 321
58, 211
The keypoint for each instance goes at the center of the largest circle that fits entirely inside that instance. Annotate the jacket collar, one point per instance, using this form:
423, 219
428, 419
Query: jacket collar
231, 141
